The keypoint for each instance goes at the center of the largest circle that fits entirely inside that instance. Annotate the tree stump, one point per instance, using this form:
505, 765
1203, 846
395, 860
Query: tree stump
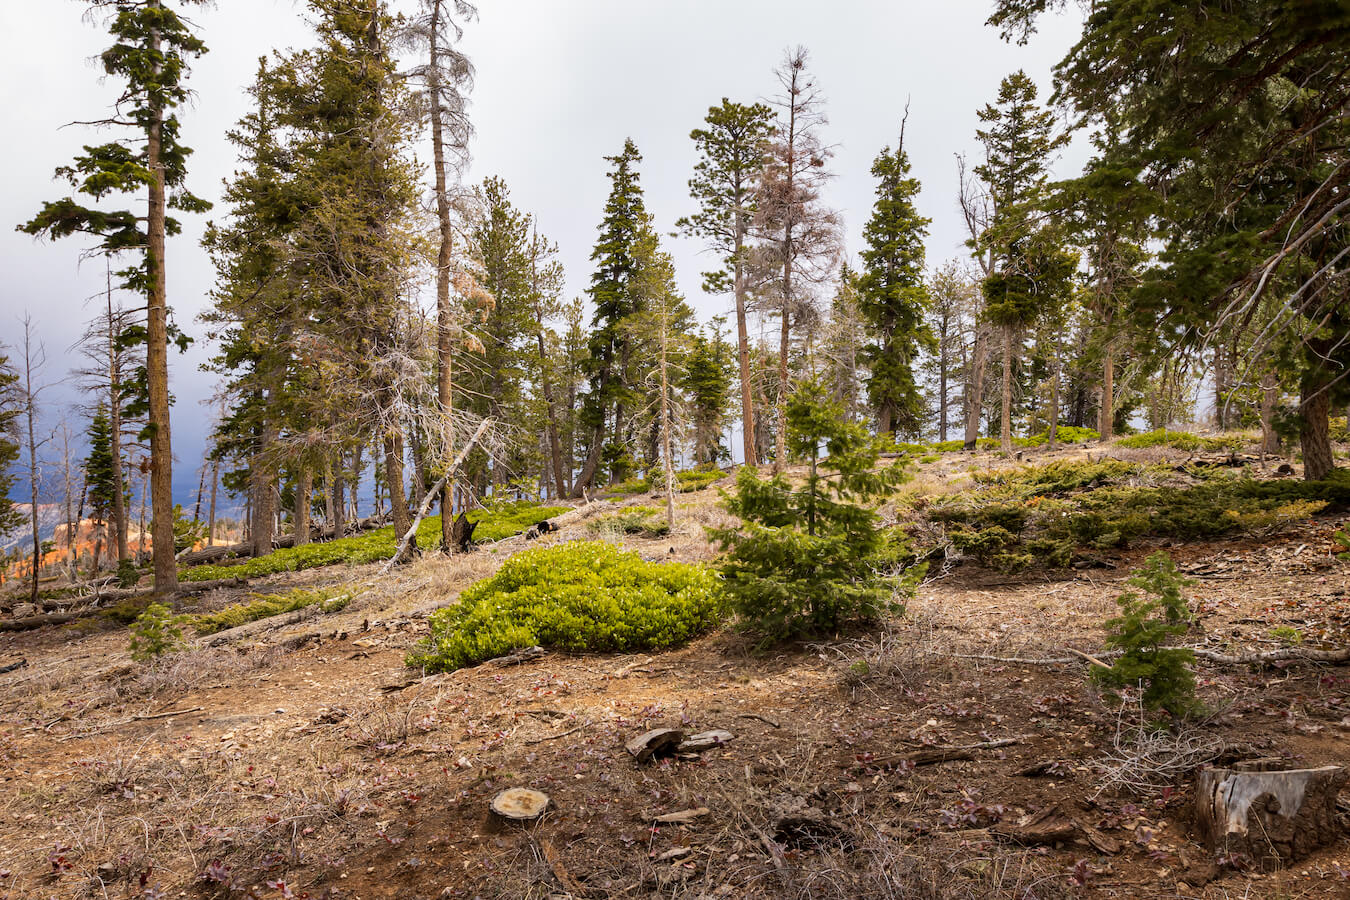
1273, 817
518, 806
657, 742
461, 533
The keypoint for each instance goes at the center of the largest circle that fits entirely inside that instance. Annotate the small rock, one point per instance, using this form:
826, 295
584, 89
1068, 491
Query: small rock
24, 610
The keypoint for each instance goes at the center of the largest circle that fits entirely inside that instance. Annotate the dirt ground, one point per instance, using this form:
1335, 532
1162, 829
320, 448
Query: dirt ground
308, 762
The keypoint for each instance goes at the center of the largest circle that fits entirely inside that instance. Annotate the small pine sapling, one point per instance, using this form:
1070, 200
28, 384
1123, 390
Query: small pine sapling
156, 632
809, 559
1141, 633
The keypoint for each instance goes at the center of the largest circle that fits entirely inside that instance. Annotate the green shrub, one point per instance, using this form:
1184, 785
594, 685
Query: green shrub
267, 605
807, 560
639, 520
156, 632
495, 522
1141, 632
686, 481
576, 596
1181, 440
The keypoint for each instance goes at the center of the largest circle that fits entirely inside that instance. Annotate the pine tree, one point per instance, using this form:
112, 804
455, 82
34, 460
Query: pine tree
801, 239
733, 150
810, 560
99, 478
844, 345
152, 45
953, 308
707, 380
892, 295
1232, 121
611, 395
1027, 264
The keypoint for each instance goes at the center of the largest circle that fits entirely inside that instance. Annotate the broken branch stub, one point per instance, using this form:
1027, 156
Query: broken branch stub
1274, 818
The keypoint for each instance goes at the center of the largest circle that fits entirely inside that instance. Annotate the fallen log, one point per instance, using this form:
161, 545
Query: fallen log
1285, 654
260, 625
1274, 818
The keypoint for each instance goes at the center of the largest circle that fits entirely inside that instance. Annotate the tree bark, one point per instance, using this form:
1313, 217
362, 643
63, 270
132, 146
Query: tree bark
743, 346
975, 404
1314, 414
398, 497
304, 493
115, 423
1270, 441
157, 355
1106, 418
1005, 414
260, 486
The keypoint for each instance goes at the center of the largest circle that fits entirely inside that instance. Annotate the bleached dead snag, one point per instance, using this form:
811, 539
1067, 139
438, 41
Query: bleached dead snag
518, 806
1275, 818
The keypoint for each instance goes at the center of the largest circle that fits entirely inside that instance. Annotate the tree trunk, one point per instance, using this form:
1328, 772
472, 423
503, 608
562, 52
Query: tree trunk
667, 447
975, 403
304, 493
157, 355
211, 515
115, 422
1106, 418
1270, 441
784, 341
743, 347
260, 486
30, 414
398, 497
339, 511
1314, 414
592, 463
1005, 414
1054, 403
943, 353
1272, 817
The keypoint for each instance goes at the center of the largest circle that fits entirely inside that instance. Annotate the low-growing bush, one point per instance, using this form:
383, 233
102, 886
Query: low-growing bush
1181, 440
686, 481
575, 596
156, 632
646, 521
264, 606
495, 522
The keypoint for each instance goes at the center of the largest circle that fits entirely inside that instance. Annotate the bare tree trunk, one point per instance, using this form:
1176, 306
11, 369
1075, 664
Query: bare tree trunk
260, 486
1054, 403
304, 493
157, 355
1270, 442
551, 407
944, 352
1005, 414
72, 524
339, 512
667, 448
32, 360
140, 525
211, 515
1106, 417
1314, 414
743, 347
974, 406
592, 463
398, 497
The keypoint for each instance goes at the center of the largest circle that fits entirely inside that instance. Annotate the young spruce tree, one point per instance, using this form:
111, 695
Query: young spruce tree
809, 559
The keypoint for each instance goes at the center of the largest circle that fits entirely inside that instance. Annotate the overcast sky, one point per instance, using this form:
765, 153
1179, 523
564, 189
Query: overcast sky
560, 85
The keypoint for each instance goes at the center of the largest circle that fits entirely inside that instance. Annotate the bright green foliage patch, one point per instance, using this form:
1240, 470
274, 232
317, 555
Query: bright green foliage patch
264, 606
644, 520
1142, 631
1181, 440
685, 482
1066, 434
576, 596
494, 523
156, 632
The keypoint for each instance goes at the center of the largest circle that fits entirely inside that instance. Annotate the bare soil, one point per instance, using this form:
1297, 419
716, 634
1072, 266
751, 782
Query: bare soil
323, 767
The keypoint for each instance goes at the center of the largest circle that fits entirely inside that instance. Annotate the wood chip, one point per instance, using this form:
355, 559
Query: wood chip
683, 817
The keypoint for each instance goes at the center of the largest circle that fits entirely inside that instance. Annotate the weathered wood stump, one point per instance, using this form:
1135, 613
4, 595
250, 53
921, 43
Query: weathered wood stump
461, 533
517, 806
1274, 817
657, 742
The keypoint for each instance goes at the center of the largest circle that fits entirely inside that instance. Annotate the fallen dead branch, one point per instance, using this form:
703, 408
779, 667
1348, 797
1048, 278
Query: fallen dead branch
1285, 654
